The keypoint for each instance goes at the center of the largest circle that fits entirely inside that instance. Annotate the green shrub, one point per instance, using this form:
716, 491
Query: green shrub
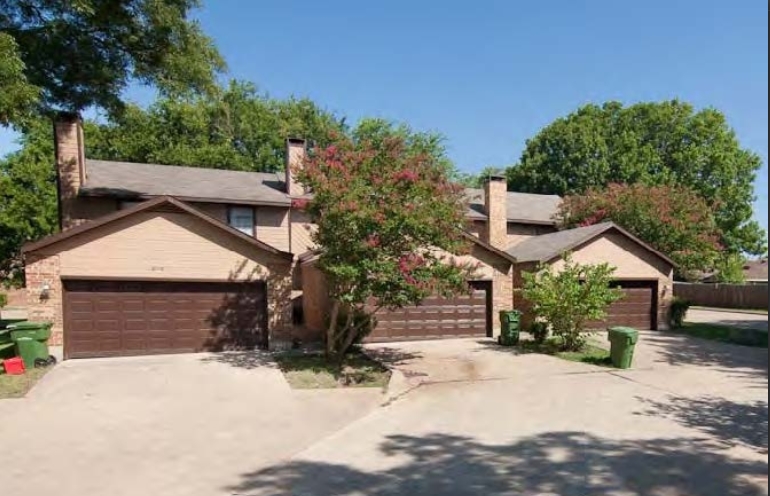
568, 299
3, 300
539, 331
678, 312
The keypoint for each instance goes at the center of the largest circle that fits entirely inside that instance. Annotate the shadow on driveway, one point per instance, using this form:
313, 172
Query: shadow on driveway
729, 422
248, 360
559, 463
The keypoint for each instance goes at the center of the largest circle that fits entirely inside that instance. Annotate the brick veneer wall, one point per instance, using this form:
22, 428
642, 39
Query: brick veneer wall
44, 270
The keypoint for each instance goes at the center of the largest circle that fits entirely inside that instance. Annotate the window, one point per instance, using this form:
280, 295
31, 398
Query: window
241, 218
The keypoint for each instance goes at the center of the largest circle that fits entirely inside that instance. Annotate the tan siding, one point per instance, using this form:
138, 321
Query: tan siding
315, 298
631, 260
273, 227
161, 245
301, 230
522, 232
216, 210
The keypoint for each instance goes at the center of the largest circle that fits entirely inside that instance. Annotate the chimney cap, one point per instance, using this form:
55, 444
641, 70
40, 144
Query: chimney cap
295, 141
494, 177
67, 116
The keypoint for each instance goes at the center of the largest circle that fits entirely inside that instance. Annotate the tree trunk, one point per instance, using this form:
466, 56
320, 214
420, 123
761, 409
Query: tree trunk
331, 338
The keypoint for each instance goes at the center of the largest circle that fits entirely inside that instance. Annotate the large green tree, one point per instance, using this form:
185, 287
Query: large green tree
78, 54
27, 197
238, 128
652, 144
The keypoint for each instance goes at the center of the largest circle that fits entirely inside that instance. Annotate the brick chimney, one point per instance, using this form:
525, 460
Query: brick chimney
495, 197
70, 165
295, 155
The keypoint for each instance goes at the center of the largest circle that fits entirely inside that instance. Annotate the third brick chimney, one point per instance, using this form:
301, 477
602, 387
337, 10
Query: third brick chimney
495, 196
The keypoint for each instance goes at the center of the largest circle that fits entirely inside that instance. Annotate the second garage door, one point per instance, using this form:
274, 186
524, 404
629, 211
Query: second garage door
435, 318
140, 318
636, 308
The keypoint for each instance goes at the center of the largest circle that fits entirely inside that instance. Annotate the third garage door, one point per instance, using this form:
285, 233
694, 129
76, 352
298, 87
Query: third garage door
636, 309
435, 318
139, 318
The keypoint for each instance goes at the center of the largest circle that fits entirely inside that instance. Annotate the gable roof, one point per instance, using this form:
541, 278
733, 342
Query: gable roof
548, 247
148, 206
132, 180
525, 208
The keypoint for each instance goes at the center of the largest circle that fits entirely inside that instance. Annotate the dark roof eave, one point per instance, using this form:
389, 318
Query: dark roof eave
140, 196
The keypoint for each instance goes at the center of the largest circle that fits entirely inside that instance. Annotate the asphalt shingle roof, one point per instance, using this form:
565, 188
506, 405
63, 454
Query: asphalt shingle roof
549, 246
526, 207
127, 180
132, 180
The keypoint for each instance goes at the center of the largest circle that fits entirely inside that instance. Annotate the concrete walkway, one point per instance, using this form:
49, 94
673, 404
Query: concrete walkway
185, 425
689, 420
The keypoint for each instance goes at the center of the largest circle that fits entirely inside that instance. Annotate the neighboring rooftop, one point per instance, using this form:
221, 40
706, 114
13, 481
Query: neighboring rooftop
755, 270
526, 207
133, 180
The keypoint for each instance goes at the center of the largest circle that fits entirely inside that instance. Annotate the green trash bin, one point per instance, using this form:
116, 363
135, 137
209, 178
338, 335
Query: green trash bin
510, 327
623, 341
31, 340
7, 346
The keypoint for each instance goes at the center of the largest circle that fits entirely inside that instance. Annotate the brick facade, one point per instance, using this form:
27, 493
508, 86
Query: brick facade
45, 271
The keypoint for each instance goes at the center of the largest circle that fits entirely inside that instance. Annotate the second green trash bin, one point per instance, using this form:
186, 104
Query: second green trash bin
623, 340
510, 327
31, 340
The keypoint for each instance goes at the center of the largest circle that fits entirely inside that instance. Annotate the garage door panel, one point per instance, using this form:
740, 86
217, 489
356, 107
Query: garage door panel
636, 308
435, 318
111, 318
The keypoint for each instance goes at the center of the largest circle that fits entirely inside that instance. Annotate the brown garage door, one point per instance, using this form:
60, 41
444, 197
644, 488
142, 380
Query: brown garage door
636, 309
435, 318
141, 318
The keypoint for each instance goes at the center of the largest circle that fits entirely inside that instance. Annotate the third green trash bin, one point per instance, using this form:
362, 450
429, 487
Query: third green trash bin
510, 327
31, 340
623, 340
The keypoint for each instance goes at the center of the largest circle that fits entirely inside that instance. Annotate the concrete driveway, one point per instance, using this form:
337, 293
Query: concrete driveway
747, 320
690, 420
173, 425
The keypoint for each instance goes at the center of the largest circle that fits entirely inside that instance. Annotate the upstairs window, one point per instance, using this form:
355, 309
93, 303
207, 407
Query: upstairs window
241, 218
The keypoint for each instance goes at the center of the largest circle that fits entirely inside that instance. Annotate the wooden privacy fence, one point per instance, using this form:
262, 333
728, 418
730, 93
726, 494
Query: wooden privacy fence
753, 296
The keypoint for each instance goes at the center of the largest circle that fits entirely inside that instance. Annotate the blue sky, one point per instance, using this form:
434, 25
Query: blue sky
489, 74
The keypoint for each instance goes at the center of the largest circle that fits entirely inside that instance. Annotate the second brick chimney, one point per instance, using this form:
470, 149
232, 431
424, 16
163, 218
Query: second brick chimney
495, 196
70, 165
295, 155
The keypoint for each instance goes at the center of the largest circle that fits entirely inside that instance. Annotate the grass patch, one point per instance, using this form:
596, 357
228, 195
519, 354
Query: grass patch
16, 386
312, 371
590, 354
725, 334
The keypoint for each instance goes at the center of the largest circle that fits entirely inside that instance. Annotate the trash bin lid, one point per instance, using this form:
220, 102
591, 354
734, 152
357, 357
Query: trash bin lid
627, 332
28, 326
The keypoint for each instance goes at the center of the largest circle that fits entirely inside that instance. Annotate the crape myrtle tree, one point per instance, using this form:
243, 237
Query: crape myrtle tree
387, 216
674, 220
